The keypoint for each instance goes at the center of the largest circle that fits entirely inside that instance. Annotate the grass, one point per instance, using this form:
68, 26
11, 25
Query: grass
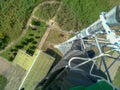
55, 37
39, 71
47, 11
81, 14
34, 35
3, 82
116, 81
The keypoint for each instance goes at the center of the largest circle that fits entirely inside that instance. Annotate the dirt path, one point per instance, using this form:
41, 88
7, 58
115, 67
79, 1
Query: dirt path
44, 38
4, 66
60, 6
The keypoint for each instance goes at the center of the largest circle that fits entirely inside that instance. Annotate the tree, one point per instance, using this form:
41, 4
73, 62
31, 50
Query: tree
3, 40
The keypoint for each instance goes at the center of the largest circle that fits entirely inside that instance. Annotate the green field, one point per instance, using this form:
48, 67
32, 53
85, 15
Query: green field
24, 60
38, 71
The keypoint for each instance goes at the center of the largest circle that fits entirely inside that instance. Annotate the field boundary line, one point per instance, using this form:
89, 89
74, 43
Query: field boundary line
29, 70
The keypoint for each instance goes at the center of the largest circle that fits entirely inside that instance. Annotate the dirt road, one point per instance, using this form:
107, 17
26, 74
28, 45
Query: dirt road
4, 66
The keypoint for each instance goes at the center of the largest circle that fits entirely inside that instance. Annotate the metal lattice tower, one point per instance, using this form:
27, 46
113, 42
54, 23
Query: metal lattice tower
100, 37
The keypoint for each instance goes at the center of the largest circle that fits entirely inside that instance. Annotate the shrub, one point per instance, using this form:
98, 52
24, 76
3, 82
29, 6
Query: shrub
31, 34
34, 42
30, 52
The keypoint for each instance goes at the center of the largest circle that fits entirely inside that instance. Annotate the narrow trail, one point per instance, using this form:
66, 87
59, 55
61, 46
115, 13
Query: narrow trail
42, 20
33, 26
60, 6
44, 39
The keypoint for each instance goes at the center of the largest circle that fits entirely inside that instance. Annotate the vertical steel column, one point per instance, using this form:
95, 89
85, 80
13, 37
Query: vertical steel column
102, 58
